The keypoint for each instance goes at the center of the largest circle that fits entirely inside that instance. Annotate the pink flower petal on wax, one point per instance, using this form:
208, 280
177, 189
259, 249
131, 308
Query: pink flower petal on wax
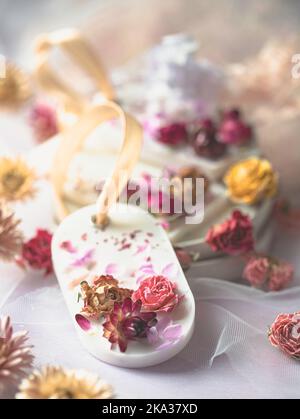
170, 270
141, 248
84, 260
148, 268
68, 247
83, 322
173, 332
164, 322
111, 269
164, 224
152, 336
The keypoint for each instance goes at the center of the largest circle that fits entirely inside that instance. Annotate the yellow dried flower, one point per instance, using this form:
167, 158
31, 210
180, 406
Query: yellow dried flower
251, 180
14, 87
57, 383
16, 179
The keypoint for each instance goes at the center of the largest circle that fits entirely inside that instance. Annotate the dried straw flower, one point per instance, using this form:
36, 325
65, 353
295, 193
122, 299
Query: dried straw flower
15, 354
100, 298
53, 382
11, 239
16, 179
14, 87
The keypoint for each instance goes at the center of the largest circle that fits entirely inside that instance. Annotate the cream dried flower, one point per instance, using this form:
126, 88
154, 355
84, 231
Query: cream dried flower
53, 382
14, 87
15, 353
16, 179
11, 239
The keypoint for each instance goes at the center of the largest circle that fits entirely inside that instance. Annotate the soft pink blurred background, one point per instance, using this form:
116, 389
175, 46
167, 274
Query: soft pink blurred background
228, 30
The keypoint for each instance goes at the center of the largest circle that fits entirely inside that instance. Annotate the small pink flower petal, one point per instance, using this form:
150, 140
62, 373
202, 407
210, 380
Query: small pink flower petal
84, 260
173, 332
169, 270
83, 322
111, 269
152, 335
68, 247
141, 248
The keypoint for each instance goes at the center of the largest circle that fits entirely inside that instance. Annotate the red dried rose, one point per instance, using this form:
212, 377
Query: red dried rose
285, 334
36, 252
234, 236
205, 141
173, 134
233, 130
157, 293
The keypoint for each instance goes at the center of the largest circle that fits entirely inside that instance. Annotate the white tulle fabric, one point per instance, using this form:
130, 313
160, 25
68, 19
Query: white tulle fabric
229, 355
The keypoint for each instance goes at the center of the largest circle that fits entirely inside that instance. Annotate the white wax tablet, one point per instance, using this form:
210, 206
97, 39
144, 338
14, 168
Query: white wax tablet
132, 247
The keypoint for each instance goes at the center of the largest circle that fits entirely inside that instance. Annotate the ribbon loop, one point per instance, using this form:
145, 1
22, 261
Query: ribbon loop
74, 45
74, 138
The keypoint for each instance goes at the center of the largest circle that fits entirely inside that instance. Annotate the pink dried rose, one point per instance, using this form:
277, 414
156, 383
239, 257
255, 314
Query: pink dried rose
274, 274
233, 130
280, 276
43, 121
285, 334
256, 270
234, 236
173, 134
157, 294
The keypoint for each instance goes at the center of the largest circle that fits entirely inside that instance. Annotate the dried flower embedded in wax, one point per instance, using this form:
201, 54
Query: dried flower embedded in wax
250, 181
127, 322
157, 294
99, 298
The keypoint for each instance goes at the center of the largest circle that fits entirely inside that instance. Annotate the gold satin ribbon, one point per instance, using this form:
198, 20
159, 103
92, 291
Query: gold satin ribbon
73, 44
71, 143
